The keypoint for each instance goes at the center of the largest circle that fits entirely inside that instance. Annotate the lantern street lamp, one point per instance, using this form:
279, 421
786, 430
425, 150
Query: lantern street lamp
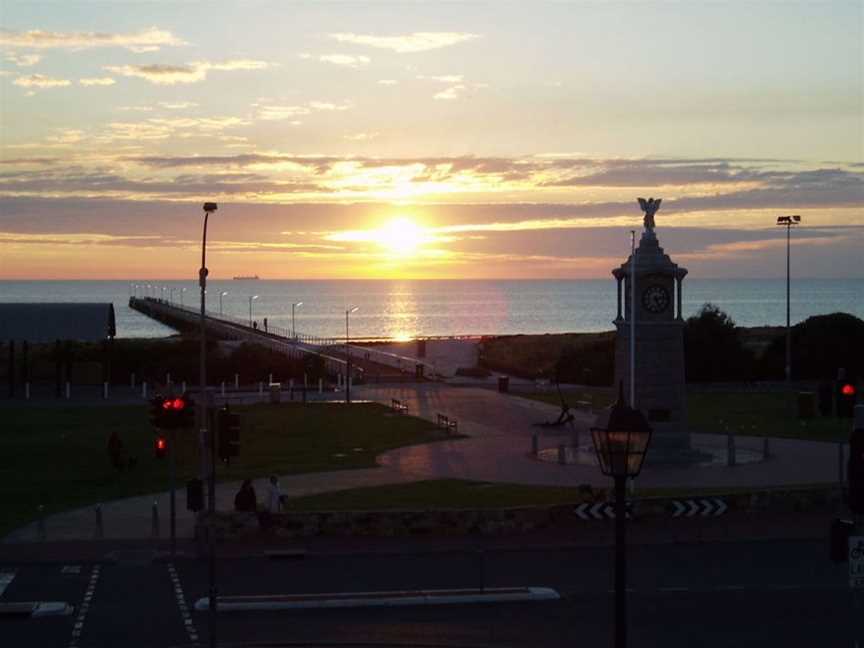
353, 309
621, 437
221, 295
251, 299
293, 307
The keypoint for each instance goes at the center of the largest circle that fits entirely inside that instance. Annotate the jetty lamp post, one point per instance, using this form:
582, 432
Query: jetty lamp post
788, 222
182, 290
205, 440
353, 309
221, 295
293, 329
251, 299
621, 437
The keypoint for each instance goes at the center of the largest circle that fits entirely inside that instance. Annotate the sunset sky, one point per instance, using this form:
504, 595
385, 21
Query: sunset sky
440, 140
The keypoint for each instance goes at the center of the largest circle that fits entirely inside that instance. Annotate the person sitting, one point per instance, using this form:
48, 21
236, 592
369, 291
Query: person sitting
245, 500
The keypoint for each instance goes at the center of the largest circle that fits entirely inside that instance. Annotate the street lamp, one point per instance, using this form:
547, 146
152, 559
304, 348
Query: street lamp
251, 299
788, 222
621, 437
182, 290
209, 207
294, 330
221, 295
353, 309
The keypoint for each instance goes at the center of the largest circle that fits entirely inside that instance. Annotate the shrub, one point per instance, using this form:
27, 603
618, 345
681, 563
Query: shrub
713, 350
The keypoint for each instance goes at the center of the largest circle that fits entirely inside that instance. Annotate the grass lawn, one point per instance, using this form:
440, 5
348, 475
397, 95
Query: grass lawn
745, 413
759, 414
463, 494
57, 456
437, 493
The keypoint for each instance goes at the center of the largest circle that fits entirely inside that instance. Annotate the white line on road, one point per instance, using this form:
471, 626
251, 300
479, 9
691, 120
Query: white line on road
78, 627
181, 603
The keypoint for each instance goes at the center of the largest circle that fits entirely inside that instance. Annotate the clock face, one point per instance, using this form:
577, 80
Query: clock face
655, 299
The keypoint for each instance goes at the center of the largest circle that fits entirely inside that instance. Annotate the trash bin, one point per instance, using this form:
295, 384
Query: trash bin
806, 405
503, 384
275, 392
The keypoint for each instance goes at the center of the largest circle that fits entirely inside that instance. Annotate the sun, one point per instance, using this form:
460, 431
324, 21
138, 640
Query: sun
401, 236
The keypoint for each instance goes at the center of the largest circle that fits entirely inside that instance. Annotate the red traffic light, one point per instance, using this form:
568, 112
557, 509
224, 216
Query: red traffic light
175, 404
848, 389
161, 444
160, 447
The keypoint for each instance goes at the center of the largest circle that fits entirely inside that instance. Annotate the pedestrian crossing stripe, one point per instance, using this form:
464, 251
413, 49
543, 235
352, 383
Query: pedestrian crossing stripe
5, 579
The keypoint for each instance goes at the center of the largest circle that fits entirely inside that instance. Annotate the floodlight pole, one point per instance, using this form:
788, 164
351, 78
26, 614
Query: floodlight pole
788, 222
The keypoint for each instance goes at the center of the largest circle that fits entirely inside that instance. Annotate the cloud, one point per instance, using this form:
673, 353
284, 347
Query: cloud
451, 93
97, 81
177, 105
388, 82
361, 137
40, 81
445, 78
162, 74
345, 60
146, 40
407, 43
23, 60
275, 112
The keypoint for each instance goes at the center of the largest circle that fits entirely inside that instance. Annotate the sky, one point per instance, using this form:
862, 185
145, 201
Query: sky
428, 139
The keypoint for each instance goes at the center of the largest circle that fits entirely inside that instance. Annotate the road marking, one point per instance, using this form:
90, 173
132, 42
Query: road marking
181, 603
5, 579
71, 569
78, 626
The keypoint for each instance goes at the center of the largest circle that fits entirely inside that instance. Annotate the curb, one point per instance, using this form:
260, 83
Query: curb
379, 599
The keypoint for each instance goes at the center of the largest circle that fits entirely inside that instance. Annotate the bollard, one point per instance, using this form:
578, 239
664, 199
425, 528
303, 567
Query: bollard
730, 450
223, 388
144, 389
26, 391
320, 385
338, 381
100, 529
350, 382
132, 380
68, 390
183, 387
155, 526
305, 381
766, 452
840, 462
40, 524
562, 454
104, 391
261, 389
168, 379
236, 381
270, 379
535, 444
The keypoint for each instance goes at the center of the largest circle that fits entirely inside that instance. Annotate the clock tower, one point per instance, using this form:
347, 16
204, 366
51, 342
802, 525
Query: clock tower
659, 349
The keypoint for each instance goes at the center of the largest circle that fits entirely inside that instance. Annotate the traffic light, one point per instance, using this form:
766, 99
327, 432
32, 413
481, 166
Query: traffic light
228, 425
194, 495
846, 398
855, 470
172, 412
160, 447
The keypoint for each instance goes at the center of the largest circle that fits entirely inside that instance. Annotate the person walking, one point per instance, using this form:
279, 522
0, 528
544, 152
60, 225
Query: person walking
274, 495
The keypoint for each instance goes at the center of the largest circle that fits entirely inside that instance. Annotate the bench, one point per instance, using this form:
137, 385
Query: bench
446, 423
398, 406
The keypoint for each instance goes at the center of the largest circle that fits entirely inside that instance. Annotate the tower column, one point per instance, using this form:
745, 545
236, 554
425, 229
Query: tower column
619, 298
678, 279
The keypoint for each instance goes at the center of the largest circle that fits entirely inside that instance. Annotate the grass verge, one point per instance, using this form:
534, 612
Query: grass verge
57, 456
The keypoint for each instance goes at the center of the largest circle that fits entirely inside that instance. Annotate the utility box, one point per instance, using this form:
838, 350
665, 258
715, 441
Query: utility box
275, 392
806, 405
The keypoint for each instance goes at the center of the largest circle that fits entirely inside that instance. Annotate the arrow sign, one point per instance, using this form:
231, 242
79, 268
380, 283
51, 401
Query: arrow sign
599, 511
704, 507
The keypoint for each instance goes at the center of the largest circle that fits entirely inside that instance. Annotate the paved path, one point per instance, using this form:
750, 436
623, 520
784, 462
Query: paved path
499, 428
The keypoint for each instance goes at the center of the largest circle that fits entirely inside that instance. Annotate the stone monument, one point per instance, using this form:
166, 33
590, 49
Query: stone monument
659, 351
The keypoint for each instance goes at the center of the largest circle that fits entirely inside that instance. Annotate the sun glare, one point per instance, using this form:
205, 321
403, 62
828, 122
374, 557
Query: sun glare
401, 237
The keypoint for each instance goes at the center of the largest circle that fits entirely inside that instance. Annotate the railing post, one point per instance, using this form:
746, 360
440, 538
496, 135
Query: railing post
104, 391
236, 381
100, 528
27, 391
320, 385
68, 390
155, 520
144, 390
223, 389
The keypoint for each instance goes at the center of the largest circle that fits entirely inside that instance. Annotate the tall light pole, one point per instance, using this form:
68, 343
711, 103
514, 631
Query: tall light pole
209, 207
621, 437
182, 290
293, 329
221, 295
788, 222
353, 309
251, 299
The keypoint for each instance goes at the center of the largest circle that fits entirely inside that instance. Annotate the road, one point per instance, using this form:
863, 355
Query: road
780, 593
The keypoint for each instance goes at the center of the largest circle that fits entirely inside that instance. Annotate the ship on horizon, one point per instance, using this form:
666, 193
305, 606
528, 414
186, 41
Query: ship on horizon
246, 278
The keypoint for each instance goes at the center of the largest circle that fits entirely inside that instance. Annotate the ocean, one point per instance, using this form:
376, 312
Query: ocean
402, 309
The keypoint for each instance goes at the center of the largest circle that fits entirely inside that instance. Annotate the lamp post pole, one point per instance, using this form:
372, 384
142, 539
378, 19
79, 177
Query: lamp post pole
293, 329
348, 357
632, 318
251, 298
205, 439
788, 222
221, 295
620, 562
